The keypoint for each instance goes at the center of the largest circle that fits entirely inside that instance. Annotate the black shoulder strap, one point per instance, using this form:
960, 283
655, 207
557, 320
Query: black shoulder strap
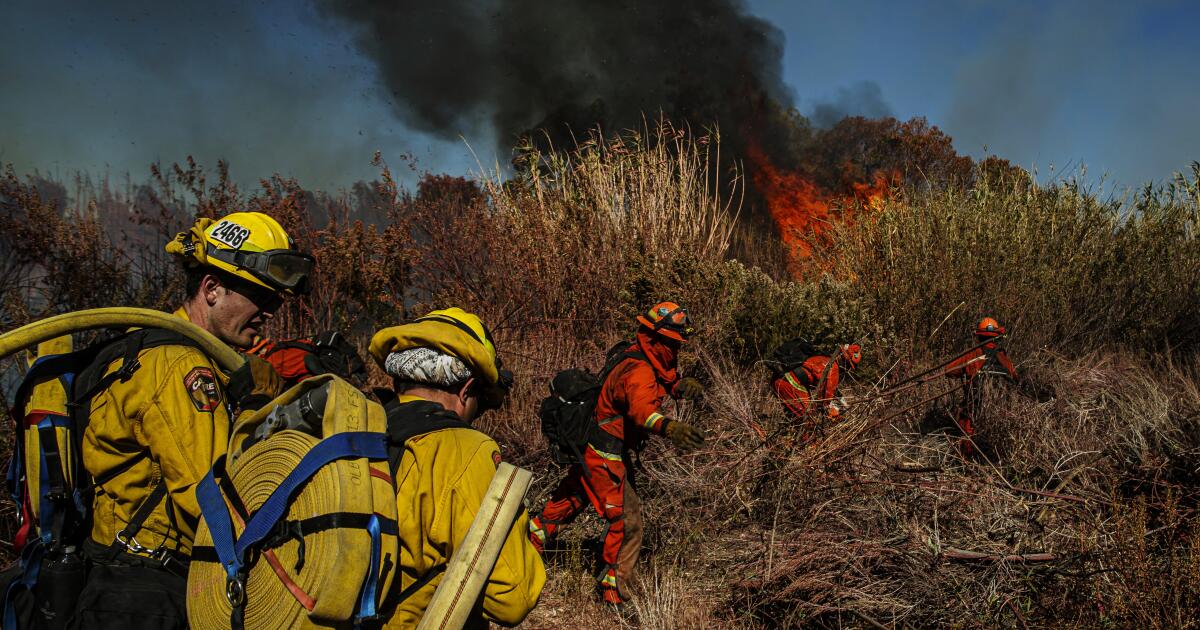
91, 380
408, 420
615, 358
288, 345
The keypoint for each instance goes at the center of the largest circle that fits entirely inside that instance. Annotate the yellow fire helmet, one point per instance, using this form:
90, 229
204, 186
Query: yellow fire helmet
454, 332
249, 245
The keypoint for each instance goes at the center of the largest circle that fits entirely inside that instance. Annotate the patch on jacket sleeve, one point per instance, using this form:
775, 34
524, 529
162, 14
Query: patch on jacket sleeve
202, 389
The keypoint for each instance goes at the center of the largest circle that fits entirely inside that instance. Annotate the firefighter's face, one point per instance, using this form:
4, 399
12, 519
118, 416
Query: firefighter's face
239, 311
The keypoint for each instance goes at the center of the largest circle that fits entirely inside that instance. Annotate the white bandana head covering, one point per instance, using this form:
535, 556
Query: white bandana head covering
427, 366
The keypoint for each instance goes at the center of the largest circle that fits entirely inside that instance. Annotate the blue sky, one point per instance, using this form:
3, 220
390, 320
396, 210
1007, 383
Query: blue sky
275, 86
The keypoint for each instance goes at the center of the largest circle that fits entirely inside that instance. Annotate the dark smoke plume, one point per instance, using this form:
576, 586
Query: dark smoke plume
864, 98
512, 66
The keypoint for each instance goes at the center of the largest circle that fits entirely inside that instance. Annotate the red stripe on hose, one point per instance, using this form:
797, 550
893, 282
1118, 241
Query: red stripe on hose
305, 600
379, 474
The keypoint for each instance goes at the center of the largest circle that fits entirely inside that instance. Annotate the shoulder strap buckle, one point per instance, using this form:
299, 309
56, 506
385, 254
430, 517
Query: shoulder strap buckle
129, 543
128, 367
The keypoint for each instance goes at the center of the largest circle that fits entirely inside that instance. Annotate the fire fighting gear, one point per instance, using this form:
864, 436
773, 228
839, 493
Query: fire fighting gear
630, 401
985, 359
688, 388
298, 359
440, 484
816, 380
132, 595
322, 552
249, 245
254, 384
684, 435
667, 319
61, 583
427, 366
968, 368
452, 332
850, 354
115, 317
174, 407
988, 327
454, 599
604, 481
155, 435
628, 408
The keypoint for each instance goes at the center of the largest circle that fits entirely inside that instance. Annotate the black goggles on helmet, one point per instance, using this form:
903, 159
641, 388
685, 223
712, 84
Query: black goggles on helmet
283, 269
676, 320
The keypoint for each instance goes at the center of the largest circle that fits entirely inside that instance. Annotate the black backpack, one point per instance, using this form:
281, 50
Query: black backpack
51, 487
790, 355
568, 413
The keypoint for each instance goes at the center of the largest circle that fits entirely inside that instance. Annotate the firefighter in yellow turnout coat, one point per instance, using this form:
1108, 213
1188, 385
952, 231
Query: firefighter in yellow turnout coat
445, 373
155, 430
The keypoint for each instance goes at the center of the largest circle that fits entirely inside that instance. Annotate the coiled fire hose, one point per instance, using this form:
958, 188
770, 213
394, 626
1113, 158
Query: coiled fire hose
31, 335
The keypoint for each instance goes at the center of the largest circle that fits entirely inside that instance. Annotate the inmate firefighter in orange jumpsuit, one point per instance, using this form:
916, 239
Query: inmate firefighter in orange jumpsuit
986, 359
629, 408
816, 379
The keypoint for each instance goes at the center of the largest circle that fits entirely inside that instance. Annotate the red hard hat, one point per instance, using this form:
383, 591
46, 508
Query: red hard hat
989, 327
669, 320
852, 353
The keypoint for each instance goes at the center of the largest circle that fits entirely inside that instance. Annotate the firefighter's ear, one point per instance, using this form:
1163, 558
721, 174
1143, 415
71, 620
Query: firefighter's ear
210, 286
467, 390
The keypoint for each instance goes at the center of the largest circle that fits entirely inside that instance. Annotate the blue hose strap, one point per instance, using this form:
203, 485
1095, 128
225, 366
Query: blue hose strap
216, 514
369, 444
366, 603
31, 566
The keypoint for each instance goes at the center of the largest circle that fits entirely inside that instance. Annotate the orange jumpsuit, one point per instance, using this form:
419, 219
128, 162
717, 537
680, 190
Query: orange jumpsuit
796, 388
628, 410
967, 368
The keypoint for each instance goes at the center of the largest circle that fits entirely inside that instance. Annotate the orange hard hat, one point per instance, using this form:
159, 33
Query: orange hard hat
669, 320
851, 353
989, 327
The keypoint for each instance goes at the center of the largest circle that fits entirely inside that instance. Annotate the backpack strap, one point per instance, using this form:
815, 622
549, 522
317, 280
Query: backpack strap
89, 383
125, 539
233, 551
290, 345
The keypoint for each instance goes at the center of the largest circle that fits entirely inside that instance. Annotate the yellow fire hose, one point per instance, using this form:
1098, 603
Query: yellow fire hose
117, 317
469, 568
322, 591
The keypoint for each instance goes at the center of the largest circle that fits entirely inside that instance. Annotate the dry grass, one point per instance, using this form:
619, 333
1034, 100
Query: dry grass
1082, 511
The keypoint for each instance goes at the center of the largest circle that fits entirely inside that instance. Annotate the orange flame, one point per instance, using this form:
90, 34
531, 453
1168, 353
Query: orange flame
872, 195
798, 207
802, 210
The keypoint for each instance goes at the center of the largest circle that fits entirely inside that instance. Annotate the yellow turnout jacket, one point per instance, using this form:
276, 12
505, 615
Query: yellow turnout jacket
173, 408
440, 483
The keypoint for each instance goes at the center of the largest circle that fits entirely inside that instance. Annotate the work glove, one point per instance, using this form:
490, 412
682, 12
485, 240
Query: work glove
689, 389
254, 384
684, 435
333, 354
